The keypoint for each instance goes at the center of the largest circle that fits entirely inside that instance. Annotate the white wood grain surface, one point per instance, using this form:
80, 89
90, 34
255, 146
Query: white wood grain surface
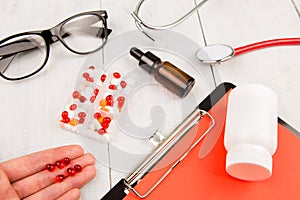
243, 22
30, 109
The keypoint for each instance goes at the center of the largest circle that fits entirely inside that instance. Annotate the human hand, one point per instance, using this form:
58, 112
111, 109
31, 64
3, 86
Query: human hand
26, 177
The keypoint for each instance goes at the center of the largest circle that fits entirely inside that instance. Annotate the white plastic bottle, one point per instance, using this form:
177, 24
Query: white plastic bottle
251, 132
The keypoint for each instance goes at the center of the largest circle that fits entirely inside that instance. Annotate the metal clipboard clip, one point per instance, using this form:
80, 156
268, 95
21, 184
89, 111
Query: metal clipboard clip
162, 149
172, 141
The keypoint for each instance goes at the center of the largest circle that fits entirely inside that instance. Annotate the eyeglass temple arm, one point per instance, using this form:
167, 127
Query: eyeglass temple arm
4, 63
15, 47
9, 51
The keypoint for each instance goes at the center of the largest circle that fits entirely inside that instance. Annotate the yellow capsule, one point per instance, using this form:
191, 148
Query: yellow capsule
103, 103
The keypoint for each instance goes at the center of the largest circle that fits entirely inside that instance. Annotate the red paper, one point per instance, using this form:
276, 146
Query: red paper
195, 179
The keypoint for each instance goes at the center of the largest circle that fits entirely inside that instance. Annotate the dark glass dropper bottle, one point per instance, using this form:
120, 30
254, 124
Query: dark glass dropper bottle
173, 78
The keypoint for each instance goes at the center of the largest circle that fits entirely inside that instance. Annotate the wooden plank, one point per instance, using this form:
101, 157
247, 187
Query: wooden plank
157, 13
238, 23
30, 109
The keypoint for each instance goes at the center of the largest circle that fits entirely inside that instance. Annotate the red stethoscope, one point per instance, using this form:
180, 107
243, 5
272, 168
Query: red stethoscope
218, 53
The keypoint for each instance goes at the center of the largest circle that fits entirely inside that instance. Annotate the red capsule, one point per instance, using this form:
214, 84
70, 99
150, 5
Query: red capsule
97, 115
77, 168
92, 99
91, 67
112, 87
117, 75
60, 164
71, 171
105, 125
102, 78
50, 167
59, 178
86, 75
123, 84
90, 79
66, 160
76, 94
110, 102
101, 131
106, 120
82, 99
121, 98
65, 120
96, 91
108, 97
81, 120
65, 114
121, 101
73, 106
81, 115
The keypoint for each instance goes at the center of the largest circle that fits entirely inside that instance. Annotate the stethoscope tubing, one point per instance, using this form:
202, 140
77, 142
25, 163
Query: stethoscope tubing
218, 53
265, 44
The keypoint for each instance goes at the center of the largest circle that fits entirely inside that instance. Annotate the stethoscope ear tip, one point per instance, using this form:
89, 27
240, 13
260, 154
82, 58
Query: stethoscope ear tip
215, 53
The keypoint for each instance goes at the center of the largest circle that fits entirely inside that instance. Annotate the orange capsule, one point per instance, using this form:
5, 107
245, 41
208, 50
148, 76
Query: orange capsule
103, 103
73, 122
104, 109
100, 120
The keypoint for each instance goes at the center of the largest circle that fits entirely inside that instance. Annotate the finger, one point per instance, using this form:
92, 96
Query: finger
6, 191
42, 179
21, 167
56, 190
73, 194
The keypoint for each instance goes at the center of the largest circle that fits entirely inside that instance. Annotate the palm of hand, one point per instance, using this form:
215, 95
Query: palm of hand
26, 177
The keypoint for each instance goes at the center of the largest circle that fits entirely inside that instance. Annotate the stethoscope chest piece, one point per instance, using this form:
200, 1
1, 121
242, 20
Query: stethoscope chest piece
215, 53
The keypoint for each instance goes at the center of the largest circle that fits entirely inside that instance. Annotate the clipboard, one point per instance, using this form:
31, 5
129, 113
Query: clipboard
194, 178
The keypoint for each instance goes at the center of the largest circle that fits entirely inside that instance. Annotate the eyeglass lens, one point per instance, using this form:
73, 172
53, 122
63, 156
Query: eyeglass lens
22, 55
84, 33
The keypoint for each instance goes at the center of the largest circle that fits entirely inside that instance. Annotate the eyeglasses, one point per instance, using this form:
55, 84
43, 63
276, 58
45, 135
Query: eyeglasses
25, 54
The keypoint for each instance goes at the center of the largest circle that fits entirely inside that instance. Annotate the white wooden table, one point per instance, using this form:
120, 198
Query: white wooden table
30, 109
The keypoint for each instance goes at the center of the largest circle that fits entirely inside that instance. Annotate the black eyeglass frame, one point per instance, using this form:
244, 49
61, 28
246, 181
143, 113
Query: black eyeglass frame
54, 34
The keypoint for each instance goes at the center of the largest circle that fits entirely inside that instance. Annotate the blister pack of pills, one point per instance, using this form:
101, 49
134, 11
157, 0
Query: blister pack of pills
121, 112
97, 97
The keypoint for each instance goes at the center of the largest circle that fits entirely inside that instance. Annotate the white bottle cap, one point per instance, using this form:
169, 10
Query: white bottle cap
249, 162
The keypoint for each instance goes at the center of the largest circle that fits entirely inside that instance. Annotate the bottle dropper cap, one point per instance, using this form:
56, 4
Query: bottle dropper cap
147, 61
136, 53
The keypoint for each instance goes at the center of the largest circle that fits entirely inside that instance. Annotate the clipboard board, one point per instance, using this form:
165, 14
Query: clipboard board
194, 178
